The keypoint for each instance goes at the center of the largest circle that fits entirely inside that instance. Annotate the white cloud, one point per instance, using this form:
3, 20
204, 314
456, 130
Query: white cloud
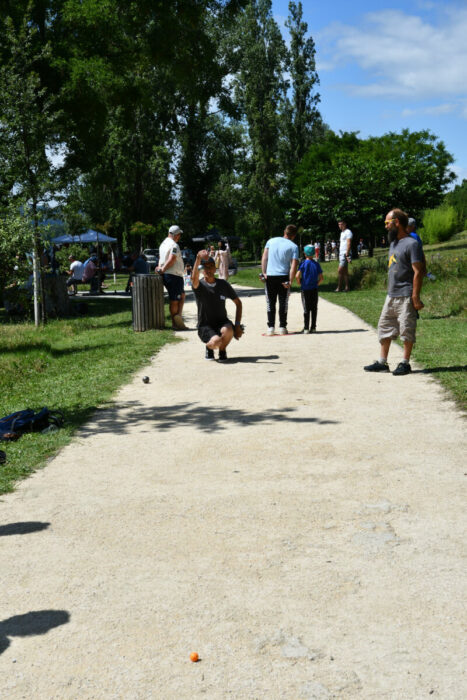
435, 110
403, 55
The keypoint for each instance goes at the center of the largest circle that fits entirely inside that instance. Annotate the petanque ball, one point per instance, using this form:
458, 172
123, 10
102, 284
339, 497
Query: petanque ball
146, 380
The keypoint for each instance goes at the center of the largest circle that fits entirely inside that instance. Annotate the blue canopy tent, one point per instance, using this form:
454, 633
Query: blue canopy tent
89, 236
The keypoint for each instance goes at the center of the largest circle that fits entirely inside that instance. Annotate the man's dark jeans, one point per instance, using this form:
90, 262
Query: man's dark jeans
274, 289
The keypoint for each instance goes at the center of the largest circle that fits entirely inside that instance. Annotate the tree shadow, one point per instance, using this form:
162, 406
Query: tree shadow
30, 624
123, 417
24, 528
437, 370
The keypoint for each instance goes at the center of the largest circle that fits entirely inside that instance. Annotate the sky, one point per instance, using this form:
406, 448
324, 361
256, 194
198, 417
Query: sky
386, 65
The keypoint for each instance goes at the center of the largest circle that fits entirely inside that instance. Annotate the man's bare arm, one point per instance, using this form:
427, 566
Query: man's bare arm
264, 261
238, 331
293, 271
418, 269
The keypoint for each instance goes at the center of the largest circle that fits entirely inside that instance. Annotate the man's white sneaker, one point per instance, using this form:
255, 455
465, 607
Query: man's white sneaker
282, 331
271, 331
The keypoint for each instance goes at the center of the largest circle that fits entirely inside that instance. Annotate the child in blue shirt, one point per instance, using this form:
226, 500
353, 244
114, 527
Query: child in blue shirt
309, 276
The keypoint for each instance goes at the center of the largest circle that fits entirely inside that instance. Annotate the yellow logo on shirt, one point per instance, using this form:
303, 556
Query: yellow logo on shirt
392, 260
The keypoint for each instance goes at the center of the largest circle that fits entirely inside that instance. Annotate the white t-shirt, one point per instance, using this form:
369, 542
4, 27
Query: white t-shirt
166, 248
345, 236
76, 268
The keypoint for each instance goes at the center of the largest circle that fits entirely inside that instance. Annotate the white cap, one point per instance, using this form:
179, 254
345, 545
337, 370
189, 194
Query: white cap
173, 230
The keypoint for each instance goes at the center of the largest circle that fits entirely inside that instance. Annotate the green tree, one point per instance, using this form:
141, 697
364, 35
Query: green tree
28, 127
360, 180
260, 89
302, 120
457, 198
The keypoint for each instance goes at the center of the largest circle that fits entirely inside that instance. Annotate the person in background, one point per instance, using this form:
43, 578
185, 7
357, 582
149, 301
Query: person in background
75, 274
411, 230
345, 256
222, 259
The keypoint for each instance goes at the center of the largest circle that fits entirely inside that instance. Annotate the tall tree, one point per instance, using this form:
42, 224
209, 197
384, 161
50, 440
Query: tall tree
260, 87
28, 126
303, 120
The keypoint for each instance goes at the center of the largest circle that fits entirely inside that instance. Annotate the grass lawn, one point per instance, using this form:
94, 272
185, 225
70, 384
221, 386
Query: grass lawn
74, 365
442, 329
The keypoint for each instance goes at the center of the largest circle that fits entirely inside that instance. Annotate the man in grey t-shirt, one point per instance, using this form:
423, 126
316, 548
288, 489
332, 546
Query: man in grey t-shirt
405, 277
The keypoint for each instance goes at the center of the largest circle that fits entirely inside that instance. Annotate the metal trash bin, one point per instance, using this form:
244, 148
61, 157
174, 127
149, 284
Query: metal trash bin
148, 302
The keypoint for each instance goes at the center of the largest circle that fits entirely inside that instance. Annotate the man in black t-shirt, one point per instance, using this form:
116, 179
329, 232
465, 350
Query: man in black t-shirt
214, 327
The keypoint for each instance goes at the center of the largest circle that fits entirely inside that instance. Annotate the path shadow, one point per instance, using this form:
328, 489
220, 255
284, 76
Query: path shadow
258, 358
124, 416
437, 370
24, 528
30, 624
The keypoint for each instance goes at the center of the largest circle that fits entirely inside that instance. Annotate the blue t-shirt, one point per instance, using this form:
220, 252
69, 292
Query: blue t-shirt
281, 252
415, 235
310, 270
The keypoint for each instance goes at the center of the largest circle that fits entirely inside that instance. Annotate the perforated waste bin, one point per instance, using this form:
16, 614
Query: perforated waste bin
148, 302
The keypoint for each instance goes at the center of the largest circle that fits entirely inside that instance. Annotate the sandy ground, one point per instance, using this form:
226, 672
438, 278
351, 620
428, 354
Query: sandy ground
296, 521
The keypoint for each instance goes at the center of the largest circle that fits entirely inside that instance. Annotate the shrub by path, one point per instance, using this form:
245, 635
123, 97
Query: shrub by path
297, 522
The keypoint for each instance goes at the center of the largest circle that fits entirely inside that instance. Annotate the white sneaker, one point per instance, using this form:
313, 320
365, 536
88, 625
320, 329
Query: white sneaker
271, 330
282, 331
306, 331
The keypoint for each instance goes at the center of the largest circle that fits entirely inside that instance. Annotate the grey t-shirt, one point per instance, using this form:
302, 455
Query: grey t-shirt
402, 253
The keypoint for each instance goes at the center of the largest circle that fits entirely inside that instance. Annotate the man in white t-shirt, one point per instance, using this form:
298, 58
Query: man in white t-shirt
75, 273
345, 256
172, 267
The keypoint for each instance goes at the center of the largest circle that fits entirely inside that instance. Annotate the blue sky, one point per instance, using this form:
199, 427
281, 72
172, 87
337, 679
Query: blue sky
388, 65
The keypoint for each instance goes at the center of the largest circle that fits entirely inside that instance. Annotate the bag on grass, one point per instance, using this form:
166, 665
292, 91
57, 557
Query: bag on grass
28, 421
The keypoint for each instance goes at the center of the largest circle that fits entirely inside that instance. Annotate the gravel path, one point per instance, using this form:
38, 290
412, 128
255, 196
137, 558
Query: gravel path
296, 521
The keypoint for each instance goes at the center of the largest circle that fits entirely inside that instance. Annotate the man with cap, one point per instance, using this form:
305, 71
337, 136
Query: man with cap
214, 327
172, 267
309, 275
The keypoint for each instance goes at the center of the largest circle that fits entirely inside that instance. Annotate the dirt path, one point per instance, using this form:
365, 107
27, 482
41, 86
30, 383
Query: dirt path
296, 521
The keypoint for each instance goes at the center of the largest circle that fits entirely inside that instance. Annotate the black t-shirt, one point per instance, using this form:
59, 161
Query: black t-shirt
211, 302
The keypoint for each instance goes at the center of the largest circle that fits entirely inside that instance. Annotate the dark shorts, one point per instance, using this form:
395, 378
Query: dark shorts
174, 285
207, 332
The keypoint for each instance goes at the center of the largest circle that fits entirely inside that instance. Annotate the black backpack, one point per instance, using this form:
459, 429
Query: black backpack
28, 421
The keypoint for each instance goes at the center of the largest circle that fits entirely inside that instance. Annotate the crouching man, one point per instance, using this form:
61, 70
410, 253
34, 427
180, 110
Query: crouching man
214, 327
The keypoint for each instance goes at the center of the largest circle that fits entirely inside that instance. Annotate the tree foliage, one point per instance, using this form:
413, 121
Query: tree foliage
360, 180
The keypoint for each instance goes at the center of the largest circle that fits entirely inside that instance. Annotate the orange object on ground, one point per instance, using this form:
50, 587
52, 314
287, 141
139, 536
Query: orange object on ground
194, 656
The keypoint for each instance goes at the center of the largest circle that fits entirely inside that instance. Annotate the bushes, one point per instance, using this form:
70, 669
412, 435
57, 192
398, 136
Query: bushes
439, 224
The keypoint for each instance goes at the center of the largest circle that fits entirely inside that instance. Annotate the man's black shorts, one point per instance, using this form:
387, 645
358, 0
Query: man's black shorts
207, 332
174, 285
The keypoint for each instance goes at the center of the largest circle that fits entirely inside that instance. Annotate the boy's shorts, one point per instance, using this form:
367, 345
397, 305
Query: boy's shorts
174, 285
398, 318
207, 332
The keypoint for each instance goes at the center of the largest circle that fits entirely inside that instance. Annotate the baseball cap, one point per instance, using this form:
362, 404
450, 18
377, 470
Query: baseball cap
208, 261
412, 222
173, 230
309, 250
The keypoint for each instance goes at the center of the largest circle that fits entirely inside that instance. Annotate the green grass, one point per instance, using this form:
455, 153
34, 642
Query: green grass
442, 329
74, 365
